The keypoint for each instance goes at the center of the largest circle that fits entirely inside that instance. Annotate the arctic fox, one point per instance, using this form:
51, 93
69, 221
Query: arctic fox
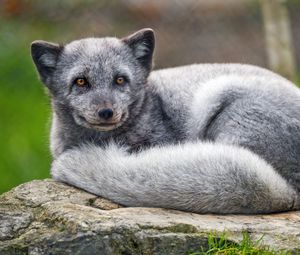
205, 138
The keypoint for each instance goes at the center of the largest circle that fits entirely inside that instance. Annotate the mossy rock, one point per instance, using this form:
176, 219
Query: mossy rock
47, 217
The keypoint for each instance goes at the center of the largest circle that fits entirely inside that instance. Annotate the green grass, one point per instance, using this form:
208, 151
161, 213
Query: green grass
24, 113
221, 246
23, 123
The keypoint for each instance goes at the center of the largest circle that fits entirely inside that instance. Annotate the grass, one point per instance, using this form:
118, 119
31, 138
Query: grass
23, 123
221, 246
24, 118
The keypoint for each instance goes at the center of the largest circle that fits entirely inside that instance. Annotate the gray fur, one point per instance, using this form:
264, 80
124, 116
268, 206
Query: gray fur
208, 138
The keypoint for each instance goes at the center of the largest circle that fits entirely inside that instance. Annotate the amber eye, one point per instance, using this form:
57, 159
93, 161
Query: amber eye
81, 82
120, 80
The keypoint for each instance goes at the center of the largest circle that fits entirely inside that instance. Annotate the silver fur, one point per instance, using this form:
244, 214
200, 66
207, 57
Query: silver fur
208, 138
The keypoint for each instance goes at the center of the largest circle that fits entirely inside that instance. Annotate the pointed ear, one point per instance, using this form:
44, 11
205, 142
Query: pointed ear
142, 44
45, 55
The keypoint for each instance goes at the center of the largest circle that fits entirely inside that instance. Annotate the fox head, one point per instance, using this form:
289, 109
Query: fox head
97, 80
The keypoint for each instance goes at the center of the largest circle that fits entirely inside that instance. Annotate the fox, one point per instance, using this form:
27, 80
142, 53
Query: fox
201, 138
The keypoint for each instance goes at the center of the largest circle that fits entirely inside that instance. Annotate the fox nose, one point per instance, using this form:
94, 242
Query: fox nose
106, 113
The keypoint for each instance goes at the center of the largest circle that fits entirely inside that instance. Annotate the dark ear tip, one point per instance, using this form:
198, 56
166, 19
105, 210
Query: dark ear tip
35, 42
147, 32
38, 43
41, 43
40, 46
34, 47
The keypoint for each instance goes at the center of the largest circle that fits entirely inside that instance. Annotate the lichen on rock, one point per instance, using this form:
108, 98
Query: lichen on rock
48, 217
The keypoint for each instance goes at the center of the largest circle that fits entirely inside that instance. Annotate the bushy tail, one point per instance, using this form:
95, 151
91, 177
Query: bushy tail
197, 177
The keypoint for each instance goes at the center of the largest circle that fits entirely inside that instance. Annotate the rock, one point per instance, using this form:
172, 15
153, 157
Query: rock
47, 217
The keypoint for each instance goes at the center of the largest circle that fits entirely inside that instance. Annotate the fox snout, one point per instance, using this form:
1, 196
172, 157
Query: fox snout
107, 115
104, 119
101, 115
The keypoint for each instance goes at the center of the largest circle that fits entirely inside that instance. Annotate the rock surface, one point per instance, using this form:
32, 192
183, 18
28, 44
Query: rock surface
47, 217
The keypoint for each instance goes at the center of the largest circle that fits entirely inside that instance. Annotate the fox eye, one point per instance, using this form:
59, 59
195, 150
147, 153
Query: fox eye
81, 82
120, 80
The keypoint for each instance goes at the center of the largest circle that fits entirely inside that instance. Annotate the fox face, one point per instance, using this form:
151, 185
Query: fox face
97, 80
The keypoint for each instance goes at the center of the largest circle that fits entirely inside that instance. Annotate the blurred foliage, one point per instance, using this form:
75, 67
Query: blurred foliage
187, 32
24, 113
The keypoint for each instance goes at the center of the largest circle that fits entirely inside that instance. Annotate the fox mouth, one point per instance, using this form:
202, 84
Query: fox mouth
101, 126
104, 126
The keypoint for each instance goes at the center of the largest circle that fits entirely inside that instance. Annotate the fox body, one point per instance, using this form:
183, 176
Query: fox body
207, 138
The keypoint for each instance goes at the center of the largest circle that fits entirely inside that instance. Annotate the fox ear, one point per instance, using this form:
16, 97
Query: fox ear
142, 43
45, 55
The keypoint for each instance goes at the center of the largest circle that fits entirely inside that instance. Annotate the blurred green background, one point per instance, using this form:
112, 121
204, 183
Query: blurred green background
187, 32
